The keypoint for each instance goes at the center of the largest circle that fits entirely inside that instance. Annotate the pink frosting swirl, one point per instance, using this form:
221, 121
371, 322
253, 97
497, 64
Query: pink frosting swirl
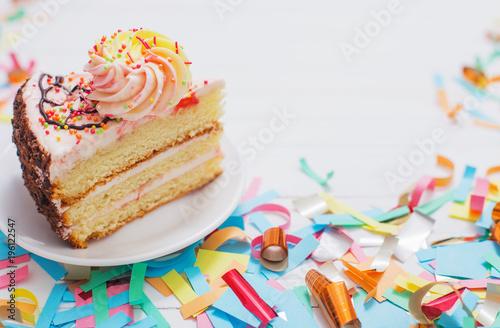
135, 77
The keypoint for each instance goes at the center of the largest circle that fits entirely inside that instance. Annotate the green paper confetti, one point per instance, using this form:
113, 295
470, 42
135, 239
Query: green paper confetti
17, 15
137, 283
100, 300
359, 297
435, 204
102, 278
493, 259
479, 64
469, 322
151, 310
397, 298
394, 214
307, 170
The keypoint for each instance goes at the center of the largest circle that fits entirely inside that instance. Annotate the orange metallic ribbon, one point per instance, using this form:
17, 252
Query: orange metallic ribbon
333, 299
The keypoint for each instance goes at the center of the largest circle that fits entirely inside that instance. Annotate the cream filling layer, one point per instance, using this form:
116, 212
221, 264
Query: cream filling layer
136, 169
153, 184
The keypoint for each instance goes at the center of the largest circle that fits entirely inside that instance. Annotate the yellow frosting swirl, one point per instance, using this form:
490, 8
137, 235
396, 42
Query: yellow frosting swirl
137, 73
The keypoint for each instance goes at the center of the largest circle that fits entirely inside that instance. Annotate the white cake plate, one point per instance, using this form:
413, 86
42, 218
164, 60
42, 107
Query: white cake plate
167, 229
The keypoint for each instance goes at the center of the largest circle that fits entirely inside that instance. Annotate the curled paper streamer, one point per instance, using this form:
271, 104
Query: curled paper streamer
333, 299
275, 208
248, 296
489, 310
178, 262
310, 205
27, 314
6, 311
424, 183
494, 169
332, 245
435, 308
415, 302
475, 76
445, 162
495, 214
307, 170
414, 233
219, 237
443, 100
274, 250
383, 257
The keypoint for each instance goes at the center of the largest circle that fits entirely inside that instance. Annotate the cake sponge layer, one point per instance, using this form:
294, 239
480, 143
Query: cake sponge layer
149, 138
79, 212
106, 223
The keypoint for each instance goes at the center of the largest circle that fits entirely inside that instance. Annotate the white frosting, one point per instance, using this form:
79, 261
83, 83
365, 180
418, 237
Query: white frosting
66, 152
153, 184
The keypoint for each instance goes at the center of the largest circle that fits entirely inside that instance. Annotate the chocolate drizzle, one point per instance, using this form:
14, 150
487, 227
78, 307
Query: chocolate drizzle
58, 83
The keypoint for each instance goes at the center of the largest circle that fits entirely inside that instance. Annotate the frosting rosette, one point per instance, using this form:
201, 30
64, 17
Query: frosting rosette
137, 73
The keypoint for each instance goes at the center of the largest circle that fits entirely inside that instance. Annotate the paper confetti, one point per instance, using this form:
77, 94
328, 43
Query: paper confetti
309, 172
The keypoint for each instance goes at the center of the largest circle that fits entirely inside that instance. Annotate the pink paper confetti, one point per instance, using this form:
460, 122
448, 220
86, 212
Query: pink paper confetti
479, 195
427, 276
16, 274
276, 285
203, 321
252, 191
424, 183
15, 260
478, 283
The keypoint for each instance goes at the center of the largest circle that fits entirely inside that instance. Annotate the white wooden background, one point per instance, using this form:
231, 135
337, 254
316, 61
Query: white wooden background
355, 118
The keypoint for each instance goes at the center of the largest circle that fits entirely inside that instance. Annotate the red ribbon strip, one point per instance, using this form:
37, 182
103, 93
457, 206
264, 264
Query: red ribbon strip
248, 296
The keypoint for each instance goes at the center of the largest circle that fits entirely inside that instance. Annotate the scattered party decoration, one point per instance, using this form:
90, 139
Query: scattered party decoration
238, 276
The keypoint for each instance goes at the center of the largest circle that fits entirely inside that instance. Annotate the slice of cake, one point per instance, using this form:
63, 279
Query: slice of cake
104, 147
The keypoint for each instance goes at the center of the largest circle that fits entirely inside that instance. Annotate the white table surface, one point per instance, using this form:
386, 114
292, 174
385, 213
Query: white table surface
356, 118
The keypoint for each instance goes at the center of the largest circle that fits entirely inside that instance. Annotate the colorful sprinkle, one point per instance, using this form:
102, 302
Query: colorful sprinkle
58, 138
143, 42
128, 54
170, 103
151, 99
